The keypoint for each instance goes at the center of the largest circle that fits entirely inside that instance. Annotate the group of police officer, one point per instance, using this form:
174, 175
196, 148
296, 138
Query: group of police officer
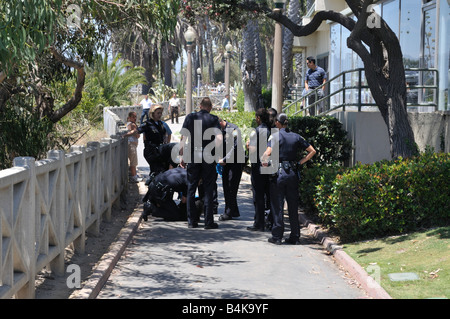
273, 152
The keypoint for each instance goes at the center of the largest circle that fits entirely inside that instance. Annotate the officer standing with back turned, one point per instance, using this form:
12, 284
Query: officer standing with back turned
201, 164
284, 185
232, 165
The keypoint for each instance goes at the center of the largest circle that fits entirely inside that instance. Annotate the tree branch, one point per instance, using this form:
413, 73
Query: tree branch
55, 116
299, 30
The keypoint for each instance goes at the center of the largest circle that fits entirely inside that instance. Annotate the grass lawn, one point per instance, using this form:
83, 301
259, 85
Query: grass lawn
425, 253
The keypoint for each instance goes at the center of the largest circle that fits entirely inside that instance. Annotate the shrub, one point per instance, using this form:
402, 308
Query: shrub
326, 135
388, 197
240, 101
23, 134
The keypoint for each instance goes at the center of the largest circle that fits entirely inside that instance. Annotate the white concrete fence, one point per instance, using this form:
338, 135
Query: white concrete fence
49, 204
114, 117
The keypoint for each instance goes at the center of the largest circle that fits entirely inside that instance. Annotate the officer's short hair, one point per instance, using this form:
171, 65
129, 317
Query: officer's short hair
206, 102
263, 115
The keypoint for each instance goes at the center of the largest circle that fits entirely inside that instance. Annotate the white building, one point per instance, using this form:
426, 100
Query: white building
423, 29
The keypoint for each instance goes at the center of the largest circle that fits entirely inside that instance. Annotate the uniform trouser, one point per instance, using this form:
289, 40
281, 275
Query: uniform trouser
215, 202
285, 186
168, 210
259, 182
195, 172
154, 160
231, 177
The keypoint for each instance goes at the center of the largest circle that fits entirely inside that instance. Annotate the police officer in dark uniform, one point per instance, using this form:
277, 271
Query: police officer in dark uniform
199, 159
269, 218
284, 185
169, 155
259, 181
159, 198
154, 133
232, 165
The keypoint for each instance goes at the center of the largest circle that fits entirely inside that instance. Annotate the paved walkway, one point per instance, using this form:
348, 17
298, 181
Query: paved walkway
169, 260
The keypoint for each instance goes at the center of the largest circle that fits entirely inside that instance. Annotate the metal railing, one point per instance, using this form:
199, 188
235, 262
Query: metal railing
349, 91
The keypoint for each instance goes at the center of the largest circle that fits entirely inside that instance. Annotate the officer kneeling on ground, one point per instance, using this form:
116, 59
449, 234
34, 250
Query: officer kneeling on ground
159, 201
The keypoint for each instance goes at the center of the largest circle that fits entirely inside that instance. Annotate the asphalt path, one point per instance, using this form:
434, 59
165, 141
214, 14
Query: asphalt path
168, 260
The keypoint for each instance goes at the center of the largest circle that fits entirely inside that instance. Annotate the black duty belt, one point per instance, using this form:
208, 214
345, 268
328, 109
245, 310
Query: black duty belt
288, 165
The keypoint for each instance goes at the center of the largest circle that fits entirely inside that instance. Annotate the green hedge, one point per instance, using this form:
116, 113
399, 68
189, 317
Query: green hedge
23, 134
326, 135
385, 198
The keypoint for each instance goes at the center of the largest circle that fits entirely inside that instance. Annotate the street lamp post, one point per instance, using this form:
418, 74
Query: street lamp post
189, 36
228, 49
277, 74
199, 74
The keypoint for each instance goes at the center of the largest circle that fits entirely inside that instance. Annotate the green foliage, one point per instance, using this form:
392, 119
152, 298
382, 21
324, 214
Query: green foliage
240, 101
326, 135
27, 27
23, 134
244, 120
116, 78
315, 187
267, 97
225, 11
161, 92
388, 197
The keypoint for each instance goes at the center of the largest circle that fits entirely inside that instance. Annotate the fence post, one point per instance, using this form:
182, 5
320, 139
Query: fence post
108, 187
343, 92
80, 242
26, 215
359, 90
57, 265
96, 184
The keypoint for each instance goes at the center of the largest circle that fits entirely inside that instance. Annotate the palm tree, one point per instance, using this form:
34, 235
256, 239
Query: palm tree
116, 78
251, 68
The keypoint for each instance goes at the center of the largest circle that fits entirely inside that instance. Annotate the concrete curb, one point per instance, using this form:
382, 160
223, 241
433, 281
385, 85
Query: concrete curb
373, 289
109, 260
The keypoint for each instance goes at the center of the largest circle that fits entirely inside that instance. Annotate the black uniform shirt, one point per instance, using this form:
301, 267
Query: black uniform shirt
232, 145
261, 132
204, 120
289, 144
154, 132
175, 178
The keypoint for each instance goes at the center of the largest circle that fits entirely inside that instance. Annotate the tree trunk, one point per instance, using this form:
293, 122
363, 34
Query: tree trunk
166, 56
209, 50
251, 80
379, 49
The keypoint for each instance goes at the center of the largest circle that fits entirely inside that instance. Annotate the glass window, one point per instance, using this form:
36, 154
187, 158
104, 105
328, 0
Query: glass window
410, 32
429, 51
429, 38
335, 62
391, 15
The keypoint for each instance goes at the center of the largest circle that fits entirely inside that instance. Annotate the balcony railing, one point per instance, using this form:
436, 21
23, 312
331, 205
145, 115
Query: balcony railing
349, 91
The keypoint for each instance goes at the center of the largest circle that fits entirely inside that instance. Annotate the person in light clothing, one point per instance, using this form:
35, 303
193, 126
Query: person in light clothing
174, 104
133, 140
226, 103
146, 104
